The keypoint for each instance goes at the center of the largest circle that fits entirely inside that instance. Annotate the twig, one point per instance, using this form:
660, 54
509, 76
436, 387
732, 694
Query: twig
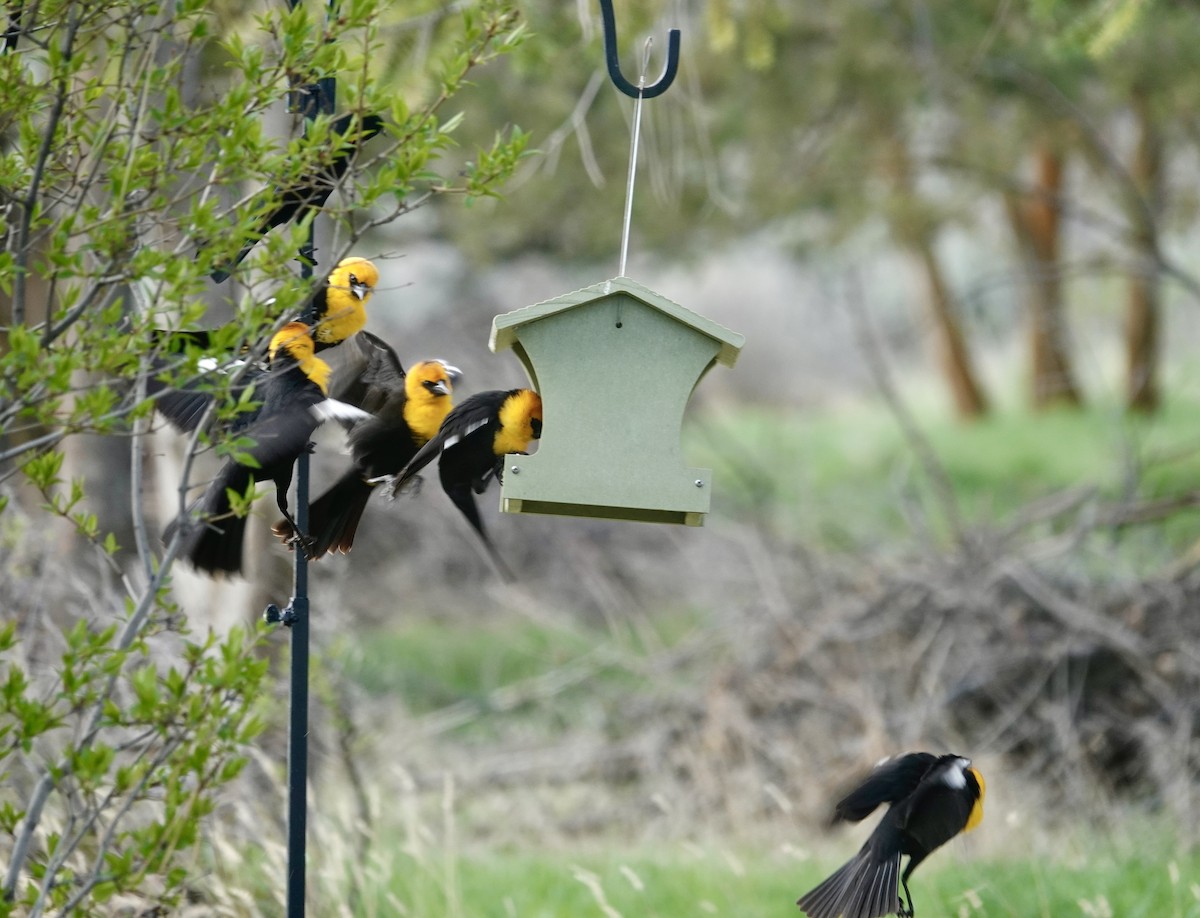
21, 262
943, 488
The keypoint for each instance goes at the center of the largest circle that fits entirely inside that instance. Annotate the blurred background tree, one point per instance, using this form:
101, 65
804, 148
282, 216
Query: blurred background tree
922, 120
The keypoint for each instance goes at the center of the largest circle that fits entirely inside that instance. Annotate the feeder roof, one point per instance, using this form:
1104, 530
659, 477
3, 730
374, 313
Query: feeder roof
505, 327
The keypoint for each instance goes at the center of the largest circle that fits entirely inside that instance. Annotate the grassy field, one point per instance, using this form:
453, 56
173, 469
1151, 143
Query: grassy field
677, 880
846, 477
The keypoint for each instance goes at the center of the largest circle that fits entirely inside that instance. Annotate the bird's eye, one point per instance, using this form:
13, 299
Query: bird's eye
353, 280
537, 428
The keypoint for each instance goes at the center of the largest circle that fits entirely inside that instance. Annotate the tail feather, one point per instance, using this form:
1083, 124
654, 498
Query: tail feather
864, 887
217, 546
460, 495
333, 517
183, 408
214, 543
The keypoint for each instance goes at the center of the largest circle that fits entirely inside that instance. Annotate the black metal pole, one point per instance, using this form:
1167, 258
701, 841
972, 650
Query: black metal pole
312, 101
297, 763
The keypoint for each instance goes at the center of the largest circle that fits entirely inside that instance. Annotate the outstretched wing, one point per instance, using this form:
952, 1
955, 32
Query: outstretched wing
365, 371
889, 782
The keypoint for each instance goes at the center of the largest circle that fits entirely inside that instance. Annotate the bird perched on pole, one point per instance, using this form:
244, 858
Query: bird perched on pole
406, 411
292, 403
348, 133
932, 798
339, 309
470, 447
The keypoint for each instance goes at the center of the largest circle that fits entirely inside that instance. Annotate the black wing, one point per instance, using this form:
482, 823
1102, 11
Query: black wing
891, 781
365, 372
473, 415
314, 191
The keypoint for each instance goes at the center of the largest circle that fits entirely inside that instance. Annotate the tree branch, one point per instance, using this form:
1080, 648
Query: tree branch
21, 263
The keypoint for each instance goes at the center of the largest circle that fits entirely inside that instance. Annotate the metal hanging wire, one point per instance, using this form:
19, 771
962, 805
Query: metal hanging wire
640, 93
633, 158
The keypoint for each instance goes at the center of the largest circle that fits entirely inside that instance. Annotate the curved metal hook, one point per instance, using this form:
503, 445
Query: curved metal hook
665, 79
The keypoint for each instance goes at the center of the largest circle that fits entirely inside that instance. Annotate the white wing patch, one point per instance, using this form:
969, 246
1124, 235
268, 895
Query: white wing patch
954, 774
332, 410
212, 365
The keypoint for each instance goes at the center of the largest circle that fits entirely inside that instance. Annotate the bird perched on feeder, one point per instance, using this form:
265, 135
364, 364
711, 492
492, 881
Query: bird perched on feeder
292, 403
932, 798
348, 133
339, 307
406, 411
470, 447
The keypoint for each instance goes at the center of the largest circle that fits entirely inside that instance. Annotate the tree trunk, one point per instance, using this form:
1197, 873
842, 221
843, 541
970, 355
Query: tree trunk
1036, 227
955, 359
1143, 313
917, 234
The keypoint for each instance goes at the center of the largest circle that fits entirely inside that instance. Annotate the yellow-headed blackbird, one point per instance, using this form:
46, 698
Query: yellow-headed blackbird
932, 798
405, 413
292, 403
471, 445
339, 307
349, 132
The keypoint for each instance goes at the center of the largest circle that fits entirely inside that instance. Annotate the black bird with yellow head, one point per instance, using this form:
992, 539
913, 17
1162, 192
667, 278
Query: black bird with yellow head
932, 799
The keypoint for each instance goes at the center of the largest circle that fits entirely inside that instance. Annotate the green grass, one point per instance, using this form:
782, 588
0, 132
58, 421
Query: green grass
849, 478
432, 665
679, 880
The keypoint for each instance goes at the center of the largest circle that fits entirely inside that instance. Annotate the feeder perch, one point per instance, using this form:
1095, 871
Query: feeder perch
615, 364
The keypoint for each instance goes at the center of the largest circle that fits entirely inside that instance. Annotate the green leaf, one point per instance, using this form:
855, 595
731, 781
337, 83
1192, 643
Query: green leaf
42, 470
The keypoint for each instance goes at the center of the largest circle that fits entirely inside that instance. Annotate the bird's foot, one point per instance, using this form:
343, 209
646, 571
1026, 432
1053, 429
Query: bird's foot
304, 543
391, 488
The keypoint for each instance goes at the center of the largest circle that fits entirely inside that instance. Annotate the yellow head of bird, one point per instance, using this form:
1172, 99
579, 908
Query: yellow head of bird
428, 391
356, 274
520, 422
296, 342
430, 379
976, 815
347, 290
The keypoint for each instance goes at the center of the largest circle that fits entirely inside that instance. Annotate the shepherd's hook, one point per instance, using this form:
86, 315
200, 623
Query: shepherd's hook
665, 79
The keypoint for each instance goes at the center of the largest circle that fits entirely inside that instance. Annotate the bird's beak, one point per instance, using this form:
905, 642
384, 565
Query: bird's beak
439, 388
360, 291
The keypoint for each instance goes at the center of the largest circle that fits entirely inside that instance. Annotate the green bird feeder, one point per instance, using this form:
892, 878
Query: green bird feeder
615, 364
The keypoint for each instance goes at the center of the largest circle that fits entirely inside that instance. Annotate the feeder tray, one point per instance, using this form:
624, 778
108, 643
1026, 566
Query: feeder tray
615, 364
